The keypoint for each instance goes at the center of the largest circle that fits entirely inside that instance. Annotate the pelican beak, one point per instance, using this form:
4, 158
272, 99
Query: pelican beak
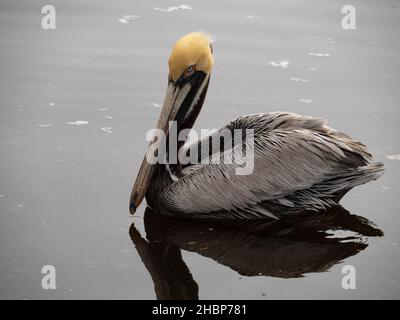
178, 96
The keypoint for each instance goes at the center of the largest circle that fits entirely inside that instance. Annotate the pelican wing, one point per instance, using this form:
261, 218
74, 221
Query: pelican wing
297, 162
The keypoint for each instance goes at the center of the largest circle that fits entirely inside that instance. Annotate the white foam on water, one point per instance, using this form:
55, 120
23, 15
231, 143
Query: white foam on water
306, 101
312, 69
78, 123
127, 18
185, 7
52, 104
44, 125
155, 105
174, 8
107, 130
250, 17
108, 117
282, 64
319, 54
393, 157
103, 109
298, 79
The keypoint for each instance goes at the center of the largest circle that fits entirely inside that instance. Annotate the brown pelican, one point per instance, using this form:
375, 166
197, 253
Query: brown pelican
299, 163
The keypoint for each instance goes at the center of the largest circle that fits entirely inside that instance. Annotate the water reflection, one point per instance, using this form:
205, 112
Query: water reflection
286, 248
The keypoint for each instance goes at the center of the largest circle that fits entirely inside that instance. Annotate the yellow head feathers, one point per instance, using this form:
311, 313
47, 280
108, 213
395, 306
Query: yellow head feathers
192, 49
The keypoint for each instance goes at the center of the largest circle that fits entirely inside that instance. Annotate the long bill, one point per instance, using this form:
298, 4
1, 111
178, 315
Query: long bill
174, 98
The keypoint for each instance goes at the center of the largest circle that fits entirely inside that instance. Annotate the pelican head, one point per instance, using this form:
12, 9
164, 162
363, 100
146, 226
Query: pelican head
190, 65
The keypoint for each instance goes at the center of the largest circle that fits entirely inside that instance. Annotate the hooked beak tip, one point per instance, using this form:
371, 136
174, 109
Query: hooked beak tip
132, 204
132, 208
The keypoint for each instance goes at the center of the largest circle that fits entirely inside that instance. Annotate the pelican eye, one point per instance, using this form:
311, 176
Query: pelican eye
189, 71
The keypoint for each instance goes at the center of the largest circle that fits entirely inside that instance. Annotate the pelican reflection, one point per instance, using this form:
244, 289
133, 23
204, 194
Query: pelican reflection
286, 248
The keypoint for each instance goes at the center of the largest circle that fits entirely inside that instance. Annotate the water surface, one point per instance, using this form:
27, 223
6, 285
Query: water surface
76, 103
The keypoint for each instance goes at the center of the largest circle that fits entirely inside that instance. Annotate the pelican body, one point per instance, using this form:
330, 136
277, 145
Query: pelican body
299, 163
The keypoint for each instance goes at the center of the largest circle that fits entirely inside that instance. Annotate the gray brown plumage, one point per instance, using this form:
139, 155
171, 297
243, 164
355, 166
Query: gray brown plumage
299, 164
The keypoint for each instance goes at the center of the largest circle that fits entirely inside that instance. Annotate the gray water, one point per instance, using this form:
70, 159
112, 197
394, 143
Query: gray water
64, 188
